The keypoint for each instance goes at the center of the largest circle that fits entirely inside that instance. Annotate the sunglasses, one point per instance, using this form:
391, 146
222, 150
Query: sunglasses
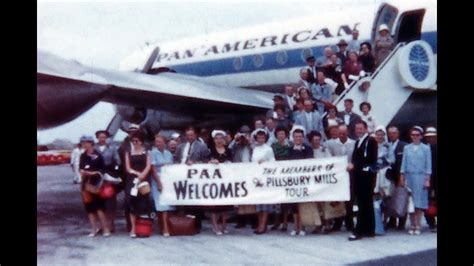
135, 140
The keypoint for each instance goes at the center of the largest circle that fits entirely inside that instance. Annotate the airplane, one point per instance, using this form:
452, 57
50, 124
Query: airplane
225, 79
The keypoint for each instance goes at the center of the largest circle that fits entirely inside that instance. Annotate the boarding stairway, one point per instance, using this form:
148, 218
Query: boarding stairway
389, 88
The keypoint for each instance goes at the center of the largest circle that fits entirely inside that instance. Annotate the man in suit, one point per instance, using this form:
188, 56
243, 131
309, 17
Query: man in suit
278, 100
343, 53
343, 146
349, 118
322, 91
311, 61
289, 98
192, 151
310, 119
396, 148
364, 158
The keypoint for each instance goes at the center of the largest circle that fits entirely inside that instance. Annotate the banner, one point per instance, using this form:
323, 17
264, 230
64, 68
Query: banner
252, 183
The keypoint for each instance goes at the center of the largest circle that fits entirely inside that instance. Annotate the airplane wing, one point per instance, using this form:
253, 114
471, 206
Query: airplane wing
77, 87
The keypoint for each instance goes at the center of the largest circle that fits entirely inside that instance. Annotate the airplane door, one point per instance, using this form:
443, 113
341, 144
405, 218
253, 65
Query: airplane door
387, 15
409, 26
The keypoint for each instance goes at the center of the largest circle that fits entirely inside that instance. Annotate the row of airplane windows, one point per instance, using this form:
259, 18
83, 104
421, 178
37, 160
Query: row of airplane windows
281, 59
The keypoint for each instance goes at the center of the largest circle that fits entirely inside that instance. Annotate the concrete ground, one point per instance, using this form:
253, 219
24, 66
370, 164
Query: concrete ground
63, 227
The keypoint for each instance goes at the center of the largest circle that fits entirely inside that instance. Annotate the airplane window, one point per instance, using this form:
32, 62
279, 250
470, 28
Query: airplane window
258, 60
282, 57
238, 63
305, 53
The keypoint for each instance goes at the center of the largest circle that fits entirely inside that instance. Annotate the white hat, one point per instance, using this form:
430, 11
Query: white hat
381, 128
384, 27
133, 127
216, 132
175, 135
431, 131
295, 127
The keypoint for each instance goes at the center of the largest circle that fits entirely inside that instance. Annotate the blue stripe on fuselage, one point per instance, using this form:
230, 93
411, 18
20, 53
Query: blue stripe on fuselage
295, 59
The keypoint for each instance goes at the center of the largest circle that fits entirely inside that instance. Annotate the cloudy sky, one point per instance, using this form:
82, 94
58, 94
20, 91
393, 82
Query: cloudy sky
100, 34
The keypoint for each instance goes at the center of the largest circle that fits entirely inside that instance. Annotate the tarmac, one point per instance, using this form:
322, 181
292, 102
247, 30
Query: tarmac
62, 228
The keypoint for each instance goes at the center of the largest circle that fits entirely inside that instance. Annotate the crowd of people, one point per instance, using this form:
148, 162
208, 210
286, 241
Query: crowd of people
302, 124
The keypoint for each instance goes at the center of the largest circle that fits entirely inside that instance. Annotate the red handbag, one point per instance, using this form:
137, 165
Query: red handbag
432, 209
143, 227
107, 191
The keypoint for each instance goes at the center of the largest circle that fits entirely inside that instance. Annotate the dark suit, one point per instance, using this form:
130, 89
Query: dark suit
398, 152
342, 56
198, 153
364, 157
354, 118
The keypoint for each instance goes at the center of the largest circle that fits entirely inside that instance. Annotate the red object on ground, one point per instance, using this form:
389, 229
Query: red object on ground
143, 227
432, 209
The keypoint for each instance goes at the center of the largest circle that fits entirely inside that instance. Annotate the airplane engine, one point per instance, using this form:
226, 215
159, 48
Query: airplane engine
58, 102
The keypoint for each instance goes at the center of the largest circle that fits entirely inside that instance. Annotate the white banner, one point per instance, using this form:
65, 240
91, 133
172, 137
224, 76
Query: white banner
252, 183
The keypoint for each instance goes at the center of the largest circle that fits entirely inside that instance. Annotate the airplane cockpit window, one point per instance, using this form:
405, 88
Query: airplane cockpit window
305, 53
258, 60
282, 57
238, 62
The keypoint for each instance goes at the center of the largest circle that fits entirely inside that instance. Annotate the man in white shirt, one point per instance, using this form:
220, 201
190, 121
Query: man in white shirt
290, 100
354, 44
75, 155
270, 127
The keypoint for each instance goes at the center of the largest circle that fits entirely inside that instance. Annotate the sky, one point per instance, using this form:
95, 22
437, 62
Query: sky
101, 34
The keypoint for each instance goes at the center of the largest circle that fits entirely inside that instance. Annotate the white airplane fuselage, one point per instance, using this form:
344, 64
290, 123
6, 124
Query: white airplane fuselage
269, 56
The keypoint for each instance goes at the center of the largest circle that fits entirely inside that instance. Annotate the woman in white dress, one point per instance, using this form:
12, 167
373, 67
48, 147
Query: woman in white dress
262, 152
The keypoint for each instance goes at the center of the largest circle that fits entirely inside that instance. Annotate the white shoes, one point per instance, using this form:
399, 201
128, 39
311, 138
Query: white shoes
302, 233
293, 233
133, 235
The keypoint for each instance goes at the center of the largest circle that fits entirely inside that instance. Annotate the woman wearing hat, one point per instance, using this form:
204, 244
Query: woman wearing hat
160, 156
219, 154
91, 165
415, 173
111, 166
383, 44
262, 153
382, 184
137, 165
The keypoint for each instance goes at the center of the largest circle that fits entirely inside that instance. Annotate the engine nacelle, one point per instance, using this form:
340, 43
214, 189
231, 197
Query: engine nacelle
58, 102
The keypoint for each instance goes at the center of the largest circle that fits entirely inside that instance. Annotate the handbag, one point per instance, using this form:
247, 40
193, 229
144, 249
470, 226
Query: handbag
411, 205
432, 209
93, 188
398, 203
143, 227
107, 190
182, 224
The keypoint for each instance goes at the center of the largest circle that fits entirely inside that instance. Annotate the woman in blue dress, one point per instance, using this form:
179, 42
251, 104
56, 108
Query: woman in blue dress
159, 157
415, 174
